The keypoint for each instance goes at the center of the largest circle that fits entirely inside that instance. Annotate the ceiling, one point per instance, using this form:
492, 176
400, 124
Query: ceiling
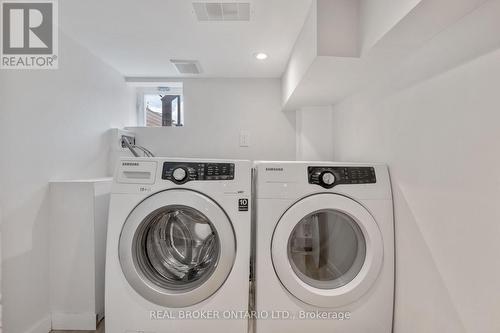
139, 37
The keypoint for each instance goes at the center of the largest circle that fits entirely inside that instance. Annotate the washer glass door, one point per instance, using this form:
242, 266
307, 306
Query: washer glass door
177, 248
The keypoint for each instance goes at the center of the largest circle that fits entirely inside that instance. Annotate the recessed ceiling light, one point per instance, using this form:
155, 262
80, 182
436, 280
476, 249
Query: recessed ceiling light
261, 56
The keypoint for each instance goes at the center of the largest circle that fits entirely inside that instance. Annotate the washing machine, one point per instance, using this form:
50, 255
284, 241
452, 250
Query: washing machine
324, 248
178, 246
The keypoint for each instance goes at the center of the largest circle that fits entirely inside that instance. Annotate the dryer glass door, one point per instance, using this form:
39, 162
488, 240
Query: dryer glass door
177, 248
327, 250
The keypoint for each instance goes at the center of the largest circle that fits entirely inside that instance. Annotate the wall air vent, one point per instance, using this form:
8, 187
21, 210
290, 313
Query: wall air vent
222, 11
186, 66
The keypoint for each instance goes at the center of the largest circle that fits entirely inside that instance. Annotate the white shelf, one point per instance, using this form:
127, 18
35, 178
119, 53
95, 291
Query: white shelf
78, 226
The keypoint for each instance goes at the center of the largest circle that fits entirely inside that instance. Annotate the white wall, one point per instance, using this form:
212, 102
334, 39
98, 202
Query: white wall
1, 299
314, 134
380, 16
216, 110
440, 139
53, 125
330, 31
338, 28
303, 54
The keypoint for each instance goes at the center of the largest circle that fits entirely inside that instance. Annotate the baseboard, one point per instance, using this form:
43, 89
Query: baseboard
42, 326
74, 321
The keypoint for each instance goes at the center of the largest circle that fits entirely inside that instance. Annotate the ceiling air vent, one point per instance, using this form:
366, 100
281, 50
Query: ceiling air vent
186, 66
222, 11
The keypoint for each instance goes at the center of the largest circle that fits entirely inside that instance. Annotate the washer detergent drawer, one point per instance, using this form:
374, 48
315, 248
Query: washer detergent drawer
137, 172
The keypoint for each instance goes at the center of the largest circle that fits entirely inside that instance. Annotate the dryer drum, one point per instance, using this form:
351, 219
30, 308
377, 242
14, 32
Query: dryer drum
327, 249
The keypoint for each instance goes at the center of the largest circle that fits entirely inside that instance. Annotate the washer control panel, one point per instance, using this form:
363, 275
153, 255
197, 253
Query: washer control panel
180, 172
329, 177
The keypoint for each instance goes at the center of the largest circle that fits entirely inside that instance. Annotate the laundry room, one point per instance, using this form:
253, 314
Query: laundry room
253, 166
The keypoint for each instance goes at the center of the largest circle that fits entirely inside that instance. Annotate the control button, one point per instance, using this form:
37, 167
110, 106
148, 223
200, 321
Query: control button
328, 178
179, 174
316, 174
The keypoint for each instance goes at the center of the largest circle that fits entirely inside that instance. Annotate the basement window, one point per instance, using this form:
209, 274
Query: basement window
161, 106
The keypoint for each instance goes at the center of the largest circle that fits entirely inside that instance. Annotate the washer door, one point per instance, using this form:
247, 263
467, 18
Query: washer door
327, 250
177, 248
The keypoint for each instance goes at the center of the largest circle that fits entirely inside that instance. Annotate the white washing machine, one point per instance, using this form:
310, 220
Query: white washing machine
178, 246
325, 248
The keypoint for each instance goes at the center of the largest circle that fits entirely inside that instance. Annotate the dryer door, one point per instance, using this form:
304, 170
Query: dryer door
327, 250
177, 248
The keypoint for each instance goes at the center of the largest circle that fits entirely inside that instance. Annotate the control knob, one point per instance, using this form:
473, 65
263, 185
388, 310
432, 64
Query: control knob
328, 178
179, 174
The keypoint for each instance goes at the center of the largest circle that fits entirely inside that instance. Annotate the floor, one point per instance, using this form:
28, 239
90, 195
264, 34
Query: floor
100, 329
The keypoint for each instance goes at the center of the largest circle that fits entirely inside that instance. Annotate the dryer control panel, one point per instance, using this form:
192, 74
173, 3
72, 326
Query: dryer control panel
329, 177
180, 172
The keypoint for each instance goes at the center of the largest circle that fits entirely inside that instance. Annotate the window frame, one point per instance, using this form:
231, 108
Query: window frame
174, 89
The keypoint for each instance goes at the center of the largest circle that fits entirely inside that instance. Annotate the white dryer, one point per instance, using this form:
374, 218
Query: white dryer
178, 246
325, 248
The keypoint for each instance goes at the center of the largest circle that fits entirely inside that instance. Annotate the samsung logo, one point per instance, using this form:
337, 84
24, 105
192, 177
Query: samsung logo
130, 164
274, 169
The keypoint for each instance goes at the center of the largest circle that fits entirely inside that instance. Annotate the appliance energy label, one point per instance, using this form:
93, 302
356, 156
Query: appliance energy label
243, 205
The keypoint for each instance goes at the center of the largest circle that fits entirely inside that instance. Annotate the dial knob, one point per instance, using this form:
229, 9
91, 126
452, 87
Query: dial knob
179, 174
328, 178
